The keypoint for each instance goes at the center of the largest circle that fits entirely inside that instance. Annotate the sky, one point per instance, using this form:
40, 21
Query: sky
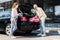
4, 1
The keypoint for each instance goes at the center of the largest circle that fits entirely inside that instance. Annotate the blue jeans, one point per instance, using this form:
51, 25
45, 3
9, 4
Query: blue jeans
13, 24
42, 25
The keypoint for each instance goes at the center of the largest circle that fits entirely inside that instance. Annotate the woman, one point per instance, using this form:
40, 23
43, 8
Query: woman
42, 16
14, 16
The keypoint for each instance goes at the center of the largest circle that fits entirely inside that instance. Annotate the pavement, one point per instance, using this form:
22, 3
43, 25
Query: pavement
51, 35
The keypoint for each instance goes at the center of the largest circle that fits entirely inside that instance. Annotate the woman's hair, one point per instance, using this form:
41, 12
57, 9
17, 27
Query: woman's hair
15, 4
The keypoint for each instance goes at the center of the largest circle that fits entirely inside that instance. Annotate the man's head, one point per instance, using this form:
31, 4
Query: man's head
35, 6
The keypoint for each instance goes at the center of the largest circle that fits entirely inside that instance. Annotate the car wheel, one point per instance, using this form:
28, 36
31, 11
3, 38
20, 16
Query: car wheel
8, 29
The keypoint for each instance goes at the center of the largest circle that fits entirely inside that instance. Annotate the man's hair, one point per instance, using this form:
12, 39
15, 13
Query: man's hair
35, 4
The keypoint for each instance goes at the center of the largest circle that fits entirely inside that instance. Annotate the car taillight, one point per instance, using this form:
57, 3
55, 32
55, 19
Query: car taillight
23, 19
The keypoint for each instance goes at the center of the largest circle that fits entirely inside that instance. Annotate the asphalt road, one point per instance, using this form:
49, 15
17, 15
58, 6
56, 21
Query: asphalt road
32, 36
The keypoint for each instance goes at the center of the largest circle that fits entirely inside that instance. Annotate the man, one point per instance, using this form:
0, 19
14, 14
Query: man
42, 16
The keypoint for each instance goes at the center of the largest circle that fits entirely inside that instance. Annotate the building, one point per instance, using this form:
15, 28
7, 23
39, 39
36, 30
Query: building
51, 7
6, 3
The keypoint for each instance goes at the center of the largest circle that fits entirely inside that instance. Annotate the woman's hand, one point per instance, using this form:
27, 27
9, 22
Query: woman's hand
20, 14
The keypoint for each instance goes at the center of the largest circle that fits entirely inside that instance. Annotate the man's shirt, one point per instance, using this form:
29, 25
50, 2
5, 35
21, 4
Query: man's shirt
40, 13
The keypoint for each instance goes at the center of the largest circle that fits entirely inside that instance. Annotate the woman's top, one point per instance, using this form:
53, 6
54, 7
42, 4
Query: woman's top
14, 13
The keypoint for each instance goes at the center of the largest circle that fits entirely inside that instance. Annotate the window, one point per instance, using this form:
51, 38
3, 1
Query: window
57, 10
1, 9
48, 10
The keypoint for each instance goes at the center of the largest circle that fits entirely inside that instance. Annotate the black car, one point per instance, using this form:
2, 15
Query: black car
24, 26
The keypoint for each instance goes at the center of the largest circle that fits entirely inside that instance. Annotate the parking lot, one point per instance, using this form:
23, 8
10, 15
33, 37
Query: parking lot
52, 35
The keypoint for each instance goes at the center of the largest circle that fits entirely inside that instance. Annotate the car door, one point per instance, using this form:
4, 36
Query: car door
4, 15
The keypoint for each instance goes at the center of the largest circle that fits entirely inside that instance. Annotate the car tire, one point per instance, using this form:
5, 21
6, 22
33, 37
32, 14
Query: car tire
28, 32
8, 29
